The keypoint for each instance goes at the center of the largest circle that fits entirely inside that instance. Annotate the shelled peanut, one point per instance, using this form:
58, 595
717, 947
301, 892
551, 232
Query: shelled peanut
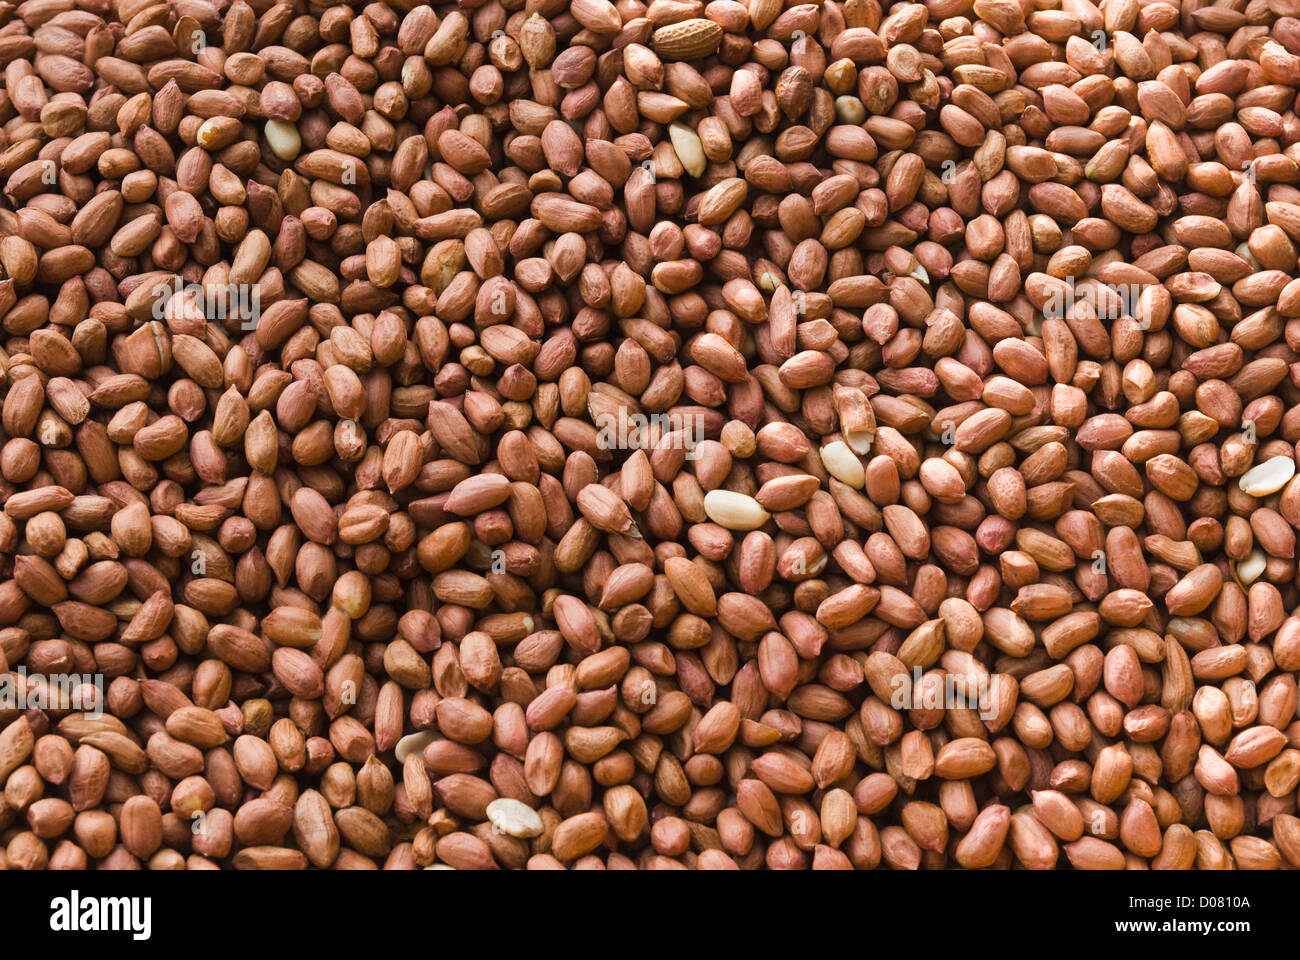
550, 435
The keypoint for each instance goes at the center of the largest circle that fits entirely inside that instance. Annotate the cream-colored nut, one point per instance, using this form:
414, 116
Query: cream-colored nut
207, 134
1243, 251
440, 866
1251, 569
284, 139
843, 464
689, 149
849, 109
1268, 477
735, 511
414, 743
860, 441
514, 818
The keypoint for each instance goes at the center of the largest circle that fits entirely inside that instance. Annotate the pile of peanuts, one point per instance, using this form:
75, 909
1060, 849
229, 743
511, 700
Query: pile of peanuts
573, 434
